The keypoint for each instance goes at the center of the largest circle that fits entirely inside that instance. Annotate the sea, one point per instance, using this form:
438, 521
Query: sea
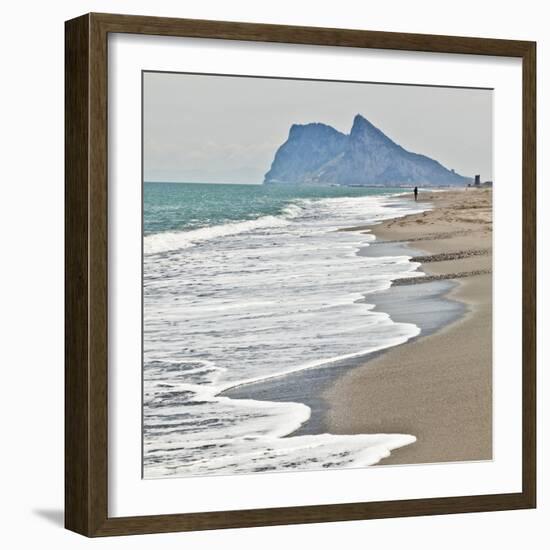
243, 283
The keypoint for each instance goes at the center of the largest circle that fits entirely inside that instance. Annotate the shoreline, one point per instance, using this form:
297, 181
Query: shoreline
429, 309
309, 385
442, 397
449, 410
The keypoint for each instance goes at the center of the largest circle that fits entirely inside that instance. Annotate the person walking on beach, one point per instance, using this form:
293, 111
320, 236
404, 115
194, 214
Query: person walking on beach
416, 193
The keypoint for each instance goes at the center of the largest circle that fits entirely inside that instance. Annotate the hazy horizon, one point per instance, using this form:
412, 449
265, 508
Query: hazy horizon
226, 129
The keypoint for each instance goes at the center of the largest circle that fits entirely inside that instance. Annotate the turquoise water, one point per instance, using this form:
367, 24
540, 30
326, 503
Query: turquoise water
186, 206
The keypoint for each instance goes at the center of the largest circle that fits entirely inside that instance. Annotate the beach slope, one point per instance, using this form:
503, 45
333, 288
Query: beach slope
437, 387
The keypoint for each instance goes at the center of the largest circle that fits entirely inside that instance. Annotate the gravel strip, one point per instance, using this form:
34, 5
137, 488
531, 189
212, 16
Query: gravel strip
444, 256
430, 278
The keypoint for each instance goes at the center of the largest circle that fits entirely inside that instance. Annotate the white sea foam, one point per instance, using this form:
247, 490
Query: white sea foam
247, 301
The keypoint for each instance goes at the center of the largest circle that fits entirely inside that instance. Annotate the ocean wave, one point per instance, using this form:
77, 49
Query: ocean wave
176, 240
306, 452
410, 332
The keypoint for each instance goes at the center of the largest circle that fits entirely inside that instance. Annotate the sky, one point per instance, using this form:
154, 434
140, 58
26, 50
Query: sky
226, 129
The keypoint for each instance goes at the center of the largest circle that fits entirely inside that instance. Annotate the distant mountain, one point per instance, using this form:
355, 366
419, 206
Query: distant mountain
317, 153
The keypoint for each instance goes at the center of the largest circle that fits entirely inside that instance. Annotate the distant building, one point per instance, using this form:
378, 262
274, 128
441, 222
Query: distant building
477, 180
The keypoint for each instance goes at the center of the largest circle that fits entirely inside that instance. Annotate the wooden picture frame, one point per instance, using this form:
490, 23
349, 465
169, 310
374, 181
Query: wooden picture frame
86, 282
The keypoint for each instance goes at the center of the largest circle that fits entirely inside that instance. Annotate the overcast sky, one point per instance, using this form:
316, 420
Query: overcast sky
223, 129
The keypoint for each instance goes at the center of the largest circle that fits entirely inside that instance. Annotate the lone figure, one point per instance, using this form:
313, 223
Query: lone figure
416, 193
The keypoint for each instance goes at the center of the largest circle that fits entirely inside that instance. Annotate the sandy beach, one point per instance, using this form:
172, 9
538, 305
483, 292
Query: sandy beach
436, 387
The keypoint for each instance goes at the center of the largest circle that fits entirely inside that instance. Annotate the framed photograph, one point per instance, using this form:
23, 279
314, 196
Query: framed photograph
300, 275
